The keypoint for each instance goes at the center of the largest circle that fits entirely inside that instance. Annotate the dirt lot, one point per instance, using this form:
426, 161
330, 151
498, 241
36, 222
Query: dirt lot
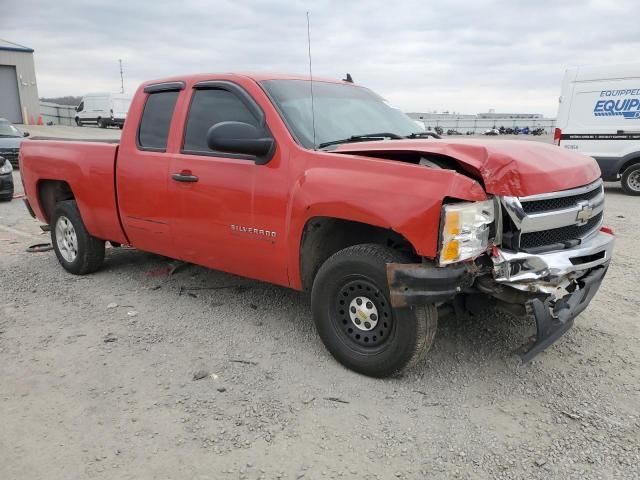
96, 380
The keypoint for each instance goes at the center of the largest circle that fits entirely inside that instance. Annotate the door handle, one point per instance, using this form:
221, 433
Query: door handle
184, 177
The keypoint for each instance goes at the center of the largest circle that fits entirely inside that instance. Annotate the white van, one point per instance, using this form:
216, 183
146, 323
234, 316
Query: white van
599, 115
103, 109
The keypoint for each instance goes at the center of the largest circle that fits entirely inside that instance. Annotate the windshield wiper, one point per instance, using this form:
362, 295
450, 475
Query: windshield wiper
423, 135
362, 138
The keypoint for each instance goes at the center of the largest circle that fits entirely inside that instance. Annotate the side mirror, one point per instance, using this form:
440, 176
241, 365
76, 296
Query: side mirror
25, 134
239, 137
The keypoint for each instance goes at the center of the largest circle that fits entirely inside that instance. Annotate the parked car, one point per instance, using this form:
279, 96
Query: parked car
10, 139
599, 115
492, 131
384, 228
6, 180
103, 109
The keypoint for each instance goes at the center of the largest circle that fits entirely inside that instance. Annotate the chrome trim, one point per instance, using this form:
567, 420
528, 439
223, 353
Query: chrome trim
563, 193
531, 272
497, 213
579, 214
514, 209
551, 219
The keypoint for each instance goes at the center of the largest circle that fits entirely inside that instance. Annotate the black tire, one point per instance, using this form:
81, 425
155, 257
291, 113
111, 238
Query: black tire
78, 122
89, 250
399, 338
121, 126
102, 123
631, 180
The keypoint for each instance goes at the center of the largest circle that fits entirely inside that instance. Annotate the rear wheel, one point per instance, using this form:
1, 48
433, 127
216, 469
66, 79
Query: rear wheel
355, 320
631, 180
77, 251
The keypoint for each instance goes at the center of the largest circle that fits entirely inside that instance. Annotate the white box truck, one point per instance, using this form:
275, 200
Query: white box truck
103, 109
599, 115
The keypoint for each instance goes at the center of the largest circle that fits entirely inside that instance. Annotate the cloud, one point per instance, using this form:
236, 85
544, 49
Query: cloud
422, 56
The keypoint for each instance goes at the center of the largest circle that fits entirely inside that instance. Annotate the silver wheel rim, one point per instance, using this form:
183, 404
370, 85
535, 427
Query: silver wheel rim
633, 180
363, 313
66, 239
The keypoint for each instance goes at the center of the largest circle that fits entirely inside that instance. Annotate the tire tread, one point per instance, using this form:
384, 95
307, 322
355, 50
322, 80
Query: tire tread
92, 257
426, 317
625, 178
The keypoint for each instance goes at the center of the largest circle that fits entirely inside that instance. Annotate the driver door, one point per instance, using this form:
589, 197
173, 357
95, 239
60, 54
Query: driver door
225, 216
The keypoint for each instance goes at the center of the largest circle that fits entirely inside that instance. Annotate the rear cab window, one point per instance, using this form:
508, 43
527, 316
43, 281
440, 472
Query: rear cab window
153, 131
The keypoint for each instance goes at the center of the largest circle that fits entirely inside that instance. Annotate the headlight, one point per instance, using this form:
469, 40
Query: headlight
465, 230
6, 167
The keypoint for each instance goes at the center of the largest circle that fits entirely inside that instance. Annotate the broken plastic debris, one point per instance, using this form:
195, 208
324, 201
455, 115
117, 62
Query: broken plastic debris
40, 247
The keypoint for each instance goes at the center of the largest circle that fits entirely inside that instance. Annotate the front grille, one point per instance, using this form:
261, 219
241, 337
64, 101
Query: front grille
538, 206
11, 155
552, 221
558, 235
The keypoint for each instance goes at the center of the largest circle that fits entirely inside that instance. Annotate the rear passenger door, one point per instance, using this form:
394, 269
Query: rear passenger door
219, 197
143, 174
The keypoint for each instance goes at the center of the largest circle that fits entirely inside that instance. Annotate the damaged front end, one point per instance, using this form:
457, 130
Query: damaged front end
548, 258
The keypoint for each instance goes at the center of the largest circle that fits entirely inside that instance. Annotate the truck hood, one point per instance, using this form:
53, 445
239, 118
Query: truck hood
505, 167
10, 142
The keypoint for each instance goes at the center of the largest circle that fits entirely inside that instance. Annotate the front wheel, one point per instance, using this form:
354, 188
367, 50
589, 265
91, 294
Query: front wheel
631, 180
77, 251
78, 122
102, 123
355, 320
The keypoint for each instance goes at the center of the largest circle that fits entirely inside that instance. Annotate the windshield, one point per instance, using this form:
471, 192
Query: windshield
341, 111
8, 130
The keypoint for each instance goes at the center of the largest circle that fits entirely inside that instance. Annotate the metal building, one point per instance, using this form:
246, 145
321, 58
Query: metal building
18, 89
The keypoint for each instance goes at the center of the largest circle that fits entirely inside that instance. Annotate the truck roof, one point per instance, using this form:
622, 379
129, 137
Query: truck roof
257, 77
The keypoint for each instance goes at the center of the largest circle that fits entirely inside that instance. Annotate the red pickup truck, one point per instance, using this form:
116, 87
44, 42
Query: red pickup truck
338, 196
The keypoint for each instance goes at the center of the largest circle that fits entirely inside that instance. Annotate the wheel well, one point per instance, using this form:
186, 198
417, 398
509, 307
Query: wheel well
50, 192
324, 236
629, 163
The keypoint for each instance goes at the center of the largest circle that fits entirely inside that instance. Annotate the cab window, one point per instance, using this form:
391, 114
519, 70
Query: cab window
208, 107
156, 120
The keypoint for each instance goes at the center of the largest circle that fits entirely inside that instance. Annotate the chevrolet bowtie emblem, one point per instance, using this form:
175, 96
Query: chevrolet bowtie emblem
584, 213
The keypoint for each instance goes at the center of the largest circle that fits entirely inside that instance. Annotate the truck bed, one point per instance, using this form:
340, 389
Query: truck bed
91, 140
88, 167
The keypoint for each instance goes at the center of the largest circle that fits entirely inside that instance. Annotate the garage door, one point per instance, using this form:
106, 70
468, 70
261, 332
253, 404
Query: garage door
9, 99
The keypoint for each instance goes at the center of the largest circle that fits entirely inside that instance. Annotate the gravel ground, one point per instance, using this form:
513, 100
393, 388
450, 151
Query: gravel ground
97, 380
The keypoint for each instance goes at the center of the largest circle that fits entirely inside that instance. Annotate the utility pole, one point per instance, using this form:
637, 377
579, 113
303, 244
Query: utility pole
121, 77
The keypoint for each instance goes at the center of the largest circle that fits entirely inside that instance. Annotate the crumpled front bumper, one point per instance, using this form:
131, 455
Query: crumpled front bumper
535, 272
551, 288
554, 317
562, 284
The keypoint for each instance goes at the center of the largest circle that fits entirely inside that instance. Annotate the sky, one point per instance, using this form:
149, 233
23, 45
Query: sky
422, 56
